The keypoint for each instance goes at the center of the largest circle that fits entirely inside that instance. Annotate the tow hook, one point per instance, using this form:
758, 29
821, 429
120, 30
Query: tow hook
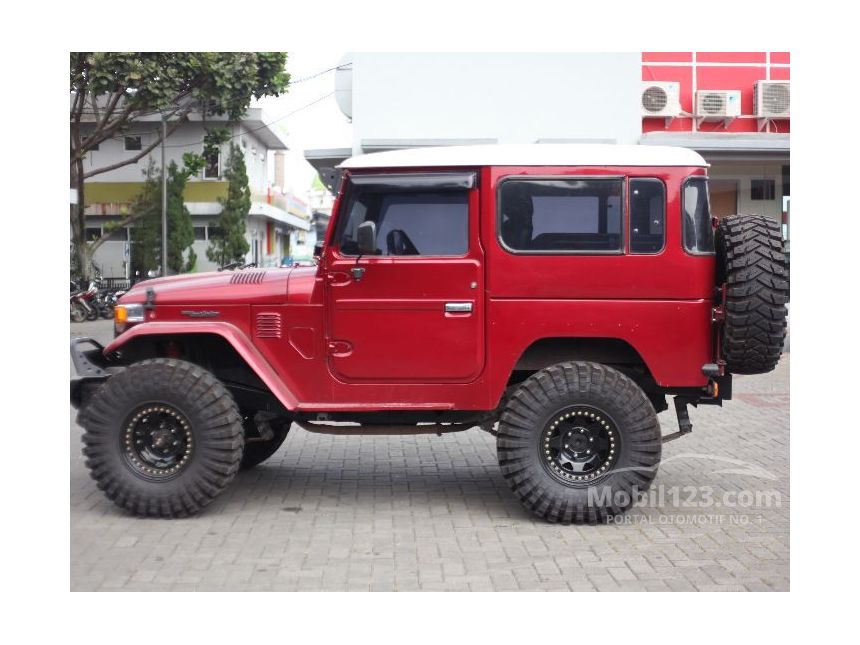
685, 426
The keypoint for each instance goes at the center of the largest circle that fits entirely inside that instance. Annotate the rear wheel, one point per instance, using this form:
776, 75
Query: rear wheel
162, 438
578, 442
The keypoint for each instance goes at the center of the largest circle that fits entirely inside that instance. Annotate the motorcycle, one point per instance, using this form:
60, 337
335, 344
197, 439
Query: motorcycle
78, 309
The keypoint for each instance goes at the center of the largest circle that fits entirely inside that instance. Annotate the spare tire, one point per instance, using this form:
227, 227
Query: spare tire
751, 263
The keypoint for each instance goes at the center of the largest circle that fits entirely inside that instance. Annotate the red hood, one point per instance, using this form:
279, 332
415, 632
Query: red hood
250, 286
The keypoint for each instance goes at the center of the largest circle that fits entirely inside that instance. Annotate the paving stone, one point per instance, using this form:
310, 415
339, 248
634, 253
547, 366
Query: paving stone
433, 513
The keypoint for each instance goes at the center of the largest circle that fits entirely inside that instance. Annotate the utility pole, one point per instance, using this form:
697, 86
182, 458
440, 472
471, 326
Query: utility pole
163, 196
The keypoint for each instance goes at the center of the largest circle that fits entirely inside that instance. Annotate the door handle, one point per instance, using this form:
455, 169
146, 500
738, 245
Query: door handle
458, 307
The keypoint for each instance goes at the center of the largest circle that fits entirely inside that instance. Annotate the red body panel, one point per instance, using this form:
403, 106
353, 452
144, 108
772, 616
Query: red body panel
386, 342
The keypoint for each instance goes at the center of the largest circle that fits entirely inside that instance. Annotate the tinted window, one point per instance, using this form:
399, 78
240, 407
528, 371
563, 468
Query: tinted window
542, 215
647, 215
697, 229
409, 223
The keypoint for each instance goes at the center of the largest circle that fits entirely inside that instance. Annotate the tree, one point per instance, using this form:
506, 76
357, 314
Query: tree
110, 91
229, 244
146, 209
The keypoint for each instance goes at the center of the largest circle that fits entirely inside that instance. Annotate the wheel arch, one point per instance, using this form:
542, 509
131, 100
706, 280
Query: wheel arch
222, 348
614, 352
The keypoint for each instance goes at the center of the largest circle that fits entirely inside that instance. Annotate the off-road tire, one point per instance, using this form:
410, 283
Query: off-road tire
256, 452
751, 262
531, 410
213, 421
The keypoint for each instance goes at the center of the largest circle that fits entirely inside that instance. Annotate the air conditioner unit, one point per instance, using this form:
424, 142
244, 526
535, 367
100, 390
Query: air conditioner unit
772, 99
718, 105
661, 99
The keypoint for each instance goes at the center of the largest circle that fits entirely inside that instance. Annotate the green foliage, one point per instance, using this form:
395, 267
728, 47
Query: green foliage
146, 235
230, 245
212, 82
111, 90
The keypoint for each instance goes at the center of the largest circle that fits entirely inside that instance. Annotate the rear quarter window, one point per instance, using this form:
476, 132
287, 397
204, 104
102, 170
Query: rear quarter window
696, 229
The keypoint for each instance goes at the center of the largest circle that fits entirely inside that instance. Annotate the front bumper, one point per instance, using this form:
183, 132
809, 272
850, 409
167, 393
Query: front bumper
90, 367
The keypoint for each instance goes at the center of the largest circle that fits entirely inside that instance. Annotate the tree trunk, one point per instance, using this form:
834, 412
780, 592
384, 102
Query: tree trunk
78, 222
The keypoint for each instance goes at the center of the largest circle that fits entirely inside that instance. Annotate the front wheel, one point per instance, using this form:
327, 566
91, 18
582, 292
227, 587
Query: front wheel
162, 438
578, 442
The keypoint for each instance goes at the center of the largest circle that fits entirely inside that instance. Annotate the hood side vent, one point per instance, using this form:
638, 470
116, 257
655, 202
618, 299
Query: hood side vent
248, 277
268, 325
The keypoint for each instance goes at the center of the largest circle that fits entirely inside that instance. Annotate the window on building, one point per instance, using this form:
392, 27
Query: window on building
697, 231
215, 232
133, 143
212, 169
199, 233
93, 233
561, 215
786, 181
119, 234
647, 215
424, 222
762, 189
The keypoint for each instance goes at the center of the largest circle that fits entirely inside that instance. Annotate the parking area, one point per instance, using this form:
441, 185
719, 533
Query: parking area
406, 513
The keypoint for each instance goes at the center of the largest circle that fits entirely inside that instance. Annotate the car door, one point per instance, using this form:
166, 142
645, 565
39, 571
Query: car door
412, 310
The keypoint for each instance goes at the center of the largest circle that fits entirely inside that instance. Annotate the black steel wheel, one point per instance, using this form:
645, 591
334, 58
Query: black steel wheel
578, 442
157, 441
162, 438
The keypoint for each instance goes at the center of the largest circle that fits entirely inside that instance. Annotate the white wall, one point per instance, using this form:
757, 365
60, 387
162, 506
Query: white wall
187, 138
744, 174
514, 98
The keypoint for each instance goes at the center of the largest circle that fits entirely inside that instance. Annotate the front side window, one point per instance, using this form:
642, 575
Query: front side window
423, 222
647, 215
697, 231
561, 215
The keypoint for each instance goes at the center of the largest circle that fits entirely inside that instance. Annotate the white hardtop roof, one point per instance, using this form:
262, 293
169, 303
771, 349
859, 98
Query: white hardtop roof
538, 154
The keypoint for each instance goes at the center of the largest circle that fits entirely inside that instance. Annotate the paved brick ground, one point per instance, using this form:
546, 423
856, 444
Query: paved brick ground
433, 513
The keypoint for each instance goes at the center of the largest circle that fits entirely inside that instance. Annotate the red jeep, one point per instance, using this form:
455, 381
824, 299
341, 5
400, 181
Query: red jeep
552, 295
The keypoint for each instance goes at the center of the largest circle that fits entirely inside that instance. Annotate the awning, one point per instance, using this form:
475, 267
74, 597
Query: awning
725, 146
261, 209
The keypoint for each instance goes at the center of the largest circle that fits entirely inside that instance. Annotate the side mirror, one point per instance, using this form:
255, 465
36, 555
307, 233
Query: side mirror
318, 249
367, 238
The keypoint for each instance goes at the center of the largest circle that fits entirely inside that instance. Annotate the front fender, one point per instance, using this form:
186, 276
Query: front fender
282, 388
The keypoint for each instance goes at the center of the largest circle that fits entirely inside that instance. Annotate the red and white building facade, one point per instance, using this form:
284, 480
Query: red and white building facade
409, 100
749, 156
